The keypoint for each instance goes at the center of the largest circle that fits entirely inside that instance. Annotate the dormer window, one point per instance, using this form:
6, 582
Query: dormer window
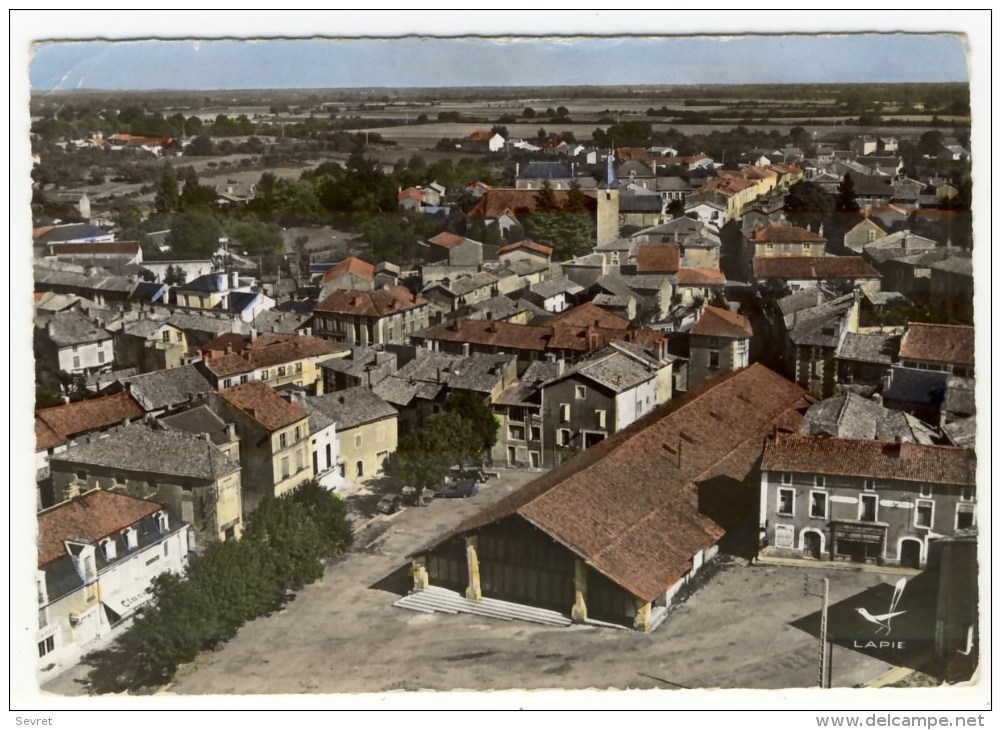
162, 522
109, 549
130, 538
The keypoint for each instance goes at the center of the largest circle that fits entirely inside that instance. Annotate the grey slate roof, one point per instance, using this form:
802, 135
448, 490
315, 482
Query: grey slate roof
819, 326
537, 373
144, 328
167, 388
545, 170
199, 419
847, 415
876, 348
960, 396
74, 328
141, 447
318, 420
352, 407
962, 432
555, 286
71, 232
955, 265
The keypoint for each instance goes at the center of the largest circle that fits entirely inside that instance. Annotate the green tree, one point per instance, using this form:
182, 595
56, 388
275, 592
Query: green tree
201, 146
330, 514
417, 462
194, 235
478, 417
253, 236
290, 539
168, 195
570, 234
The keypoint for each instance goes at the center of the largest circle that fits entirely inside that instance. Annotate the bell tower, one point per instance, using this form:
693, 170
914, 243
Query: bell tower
608, 205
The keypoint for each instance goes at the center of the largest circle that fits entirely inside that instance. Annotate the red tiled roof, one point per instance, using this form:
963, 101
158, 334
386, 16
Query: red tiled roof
701, 277
57, 425
481, 135
262, 403
228, 340
716, 322
778, 233
662, 258
447, 239
554, 336
130, 248
632, 153
87, 519
137, 140
630, 505
497, 201
813, 267
869, 458
938, 342
351, 265
381, 303
415, 193
590, 314
269, 350
529, 244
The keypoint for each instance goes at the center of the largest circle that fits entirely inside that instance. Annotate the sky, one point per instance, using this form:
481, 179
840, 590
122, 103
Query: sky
489, 48
417, 62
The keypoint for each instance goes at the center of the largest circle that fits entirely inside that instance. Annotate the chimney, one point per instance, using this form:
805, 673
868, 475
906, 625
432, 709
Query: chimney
230, 432
517, 169
253, 334
561, 364
234, 280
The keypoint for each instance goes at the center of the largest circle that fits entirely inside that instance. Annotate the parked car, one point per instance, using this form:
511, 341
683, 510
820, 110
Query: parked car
463, 488
462, 474
389, 504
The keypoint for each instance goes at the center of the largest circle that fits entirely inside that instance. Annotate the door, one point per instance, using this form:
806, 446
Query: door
910, 554
811, 545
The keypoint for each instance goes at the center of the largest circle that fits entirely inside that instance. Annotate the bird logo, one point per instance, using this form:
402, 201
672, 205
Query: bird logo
882, 620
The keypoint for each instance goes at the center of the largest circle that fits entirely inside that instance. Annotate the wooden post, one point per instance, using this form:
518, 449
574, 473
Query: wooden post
419, 569
579, 611
473, 592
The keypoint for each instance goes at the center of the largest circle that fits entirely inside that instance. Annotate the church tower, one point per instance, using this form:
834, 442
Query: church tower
608, 205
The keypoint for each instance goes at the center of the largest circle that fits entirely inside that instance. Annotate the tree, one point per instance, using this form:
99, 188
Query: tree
290, 538
809, 204
168, 196
416, 461
545, 199
570, 234
846, 202
255, 237
478, 417
528, 113
201, 146
330, 514
174, 276
194, 235
930, 143
562, 111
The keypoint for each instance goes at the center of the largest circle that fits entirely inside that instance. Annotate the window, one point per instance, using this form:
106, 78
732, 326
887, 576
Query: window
265, 375
100, 355
601, 418
926, 490
227, 383
786, 478
282, 440
964, 516
869, 485
769, 247
806, 249
46, 645
281, 371
108, 548
179, 336
298, 367
535, 433
285, 471
924, 513
166, 335
298, 433
562, 437
360, 469
516, 433
580, 392
967, 494
818, 481
564, 411
76, 361
713, 360
299, 461
787, 499
243, 379
868, 508
357, 440
818, 505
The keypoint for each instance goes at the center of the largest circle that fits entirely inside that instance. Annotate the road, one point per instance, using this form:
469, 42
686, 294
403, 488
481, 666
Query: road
343, 635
